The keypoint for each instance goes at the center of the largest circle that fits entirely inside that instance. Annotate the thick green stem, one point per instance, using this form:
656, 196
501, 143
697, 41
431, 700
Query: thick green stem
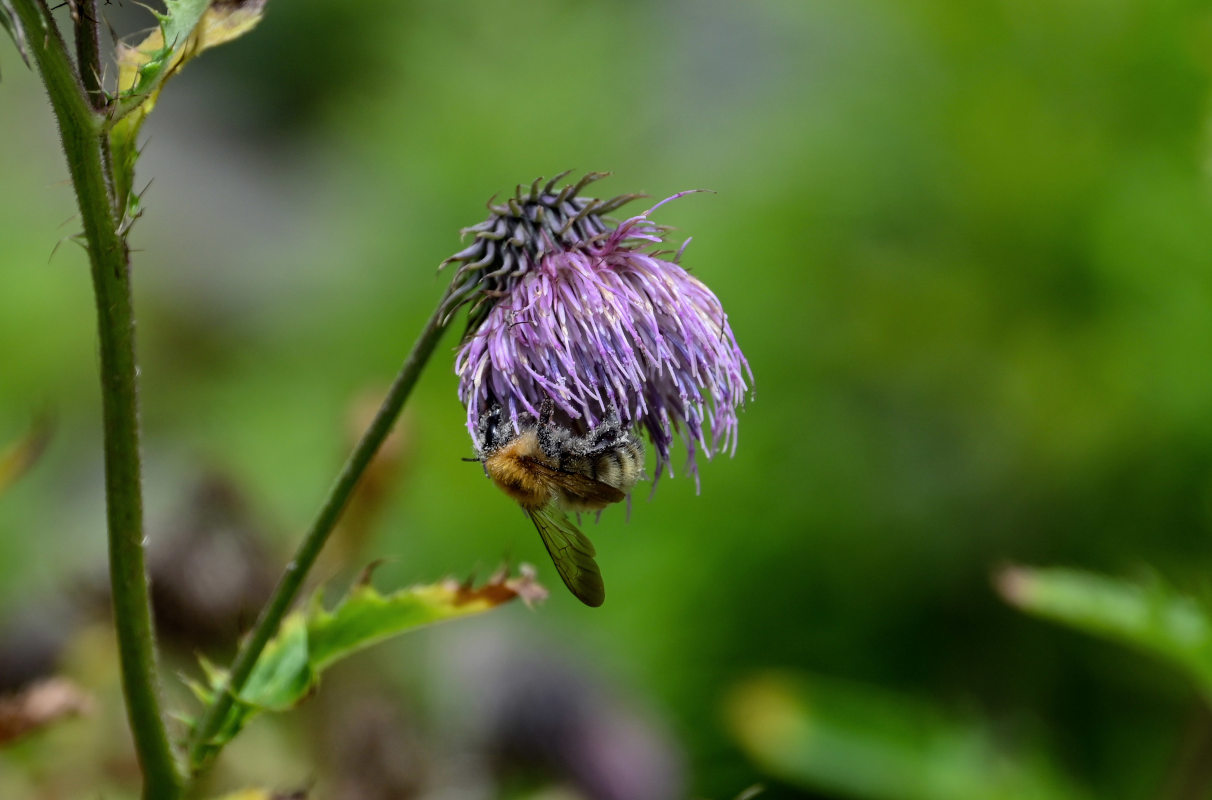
88, 50
202, 750
81, 130
88, 66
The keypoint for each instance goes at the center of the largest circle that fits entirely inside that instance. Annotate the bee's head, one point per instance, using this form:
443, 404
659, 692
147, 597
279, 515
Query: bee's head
493, 432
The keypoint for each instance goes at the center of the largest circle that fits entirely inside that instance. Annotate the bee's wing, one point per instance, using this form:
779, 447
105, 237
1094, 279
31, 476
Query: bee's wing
591, 493
572, 553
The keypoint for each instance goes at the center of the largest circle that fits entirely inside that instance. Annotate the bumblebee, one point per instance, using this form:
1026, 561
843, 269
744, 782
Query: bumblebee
550, 470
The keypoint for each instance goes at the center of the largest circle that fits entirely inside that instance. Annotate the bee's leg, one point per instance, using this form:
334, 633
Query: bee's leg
606, 434
546, 409
546, 430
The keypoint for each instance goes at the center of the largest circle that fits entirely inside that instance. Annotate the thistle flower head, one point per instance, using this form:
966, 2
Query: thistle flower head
566, 306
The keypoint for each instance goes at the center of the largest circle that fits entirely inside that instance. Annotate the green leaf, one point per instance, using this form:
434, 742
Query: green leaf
186, 29
1150, 616
857, 741
283, 673
310, 641
366, 617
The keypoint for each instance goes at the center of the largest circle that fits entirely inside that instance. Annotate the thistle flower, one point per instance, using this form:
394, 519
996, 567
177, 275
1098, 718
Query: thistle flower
566, 306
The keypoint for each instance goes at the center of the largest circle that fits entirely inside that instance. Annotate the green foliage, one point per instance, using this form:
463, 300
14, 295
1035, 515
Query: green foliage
145, 68
142, 71
1150, 616
860, 742
311, 640
186, 29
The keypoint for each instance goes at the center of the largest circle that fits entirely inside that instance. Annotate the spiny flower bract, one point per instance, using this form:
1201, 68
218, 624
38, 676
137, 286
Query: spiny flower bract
567, 306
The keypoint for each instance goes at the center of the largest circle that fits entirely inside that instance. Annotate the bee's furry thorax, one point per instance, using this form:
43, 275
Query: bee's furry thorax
556, 438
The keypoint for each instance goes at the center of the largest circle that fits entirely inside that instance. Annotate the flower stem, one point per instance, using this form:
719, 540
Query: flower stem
202, 747
83, 144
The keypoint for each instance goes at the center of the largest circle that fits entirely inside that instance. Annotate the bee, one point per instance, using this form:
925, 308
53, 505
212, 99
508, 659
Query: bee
550, 471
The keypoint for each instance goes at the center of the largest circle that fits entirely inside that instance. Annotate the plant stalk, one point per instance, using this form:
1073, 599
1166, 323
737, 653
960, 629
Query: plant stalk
202, 750
83, 144
88, 50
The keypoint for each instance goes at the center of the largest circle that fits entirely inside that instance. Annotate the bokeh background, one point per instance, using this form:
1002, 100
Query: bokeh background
965, 247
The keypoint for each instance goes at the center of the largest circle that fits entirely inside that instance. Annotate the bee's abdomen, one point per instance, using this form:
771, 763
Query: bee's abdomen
621, 466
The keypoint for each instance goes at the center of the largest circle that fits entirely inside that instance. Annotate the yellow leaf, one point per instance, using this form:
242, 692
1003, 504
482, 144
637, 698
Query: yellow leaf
20, 456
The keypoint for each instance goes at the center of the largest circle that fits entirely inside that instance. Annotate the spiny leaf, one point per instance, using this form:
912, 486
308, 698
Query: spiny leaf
311, 640
861, 742
214, 675
144, 67
366, 617
283, 674
186, 29
1150, 616
200, 691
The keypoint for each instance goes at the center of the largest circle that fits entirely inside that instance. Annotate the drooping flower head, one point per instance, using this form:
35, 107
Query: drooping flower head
565, 305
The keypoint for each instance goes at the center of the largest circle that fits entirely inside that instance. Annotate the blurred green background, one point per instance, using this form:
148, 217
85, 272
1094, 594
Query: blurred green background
965, 247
